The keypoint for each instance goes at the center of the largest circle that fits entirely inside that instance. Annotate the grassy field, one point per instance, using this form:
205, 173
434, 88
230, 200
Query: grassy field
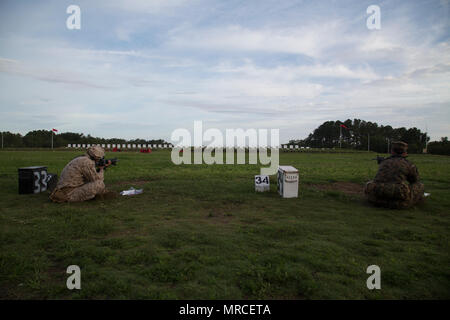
201, 232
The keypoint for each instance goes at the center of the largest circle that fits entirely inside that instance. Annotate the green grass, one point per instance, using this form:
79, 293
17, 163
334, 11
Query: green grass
201, 232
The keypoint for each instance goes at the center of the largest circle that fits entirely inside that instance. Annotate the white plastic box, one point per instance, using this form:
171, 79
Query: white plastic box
287, 181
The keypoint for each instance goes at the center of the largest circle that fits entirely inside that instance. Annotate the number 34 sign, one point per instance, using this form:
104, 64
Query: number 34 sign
262, 183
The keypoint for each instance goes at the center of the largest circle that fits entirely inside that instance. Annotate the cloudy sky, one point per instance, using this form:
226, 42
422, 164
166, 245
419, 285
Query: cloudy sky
144, 68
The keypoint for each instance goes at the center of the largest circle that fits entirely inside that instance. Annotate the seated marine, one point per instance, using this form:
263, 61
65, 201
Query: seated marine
396, 184
81, 179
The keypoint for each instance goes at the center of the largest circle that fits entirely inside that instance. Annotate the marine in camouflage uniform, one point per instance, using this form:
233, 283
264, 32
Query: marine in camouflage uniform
80, 179
396, 184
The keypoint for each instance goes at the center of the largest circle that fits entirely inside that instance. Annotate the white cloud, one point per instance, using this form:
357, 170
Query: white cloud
263, 88
15, 67
290, 73
309, 41
147, 6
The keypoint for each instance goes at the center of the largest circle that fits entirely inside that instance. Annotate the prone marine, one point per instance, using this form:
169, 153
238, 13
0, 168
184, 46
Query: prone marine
396, 184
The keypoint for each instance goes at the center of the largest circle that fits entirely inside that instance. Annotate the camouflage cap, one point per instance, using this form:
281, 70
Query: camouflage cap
96, 152
399, 147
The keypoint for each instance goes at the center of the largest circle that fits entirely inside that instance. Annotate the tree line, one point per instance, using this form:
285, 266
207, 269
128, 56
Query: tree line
42, 139
363, 135
439, 147
356, 134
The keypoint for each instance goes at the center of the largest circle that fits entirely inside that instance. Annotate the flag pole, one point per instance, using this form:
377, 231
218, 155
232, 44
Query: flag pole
368, 142
52, 139
340, 136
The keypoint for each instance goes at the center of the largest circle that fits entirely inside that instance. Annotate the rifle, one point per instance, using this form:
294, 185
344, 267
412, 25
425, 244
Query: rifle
102, 162
379, 159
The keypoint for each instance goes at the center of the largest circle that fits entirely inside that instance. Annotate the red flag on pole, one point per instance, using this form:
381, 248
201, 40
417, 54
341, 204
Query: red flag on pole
54, 130
343, 126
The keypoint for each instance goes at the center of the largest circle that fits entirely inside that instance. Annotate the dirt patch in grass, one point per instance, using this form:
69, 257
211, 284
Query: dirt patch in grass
122, 233
348, 188
219, 215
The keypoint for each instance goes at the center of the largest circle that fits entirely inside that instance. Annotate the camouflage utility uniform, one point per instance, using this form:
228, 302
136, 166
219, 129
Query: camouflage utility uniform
80, 180
396, 184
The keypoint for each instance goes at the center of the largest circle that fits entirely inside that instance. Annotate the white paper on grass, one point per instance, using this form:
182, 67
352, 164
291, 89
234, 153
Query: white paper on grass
131, 191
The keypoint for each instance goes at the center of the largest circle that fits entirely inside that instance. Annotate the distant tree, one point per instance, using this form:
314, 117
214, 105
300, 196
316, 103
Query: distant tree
63, 139
43, 139
38, 139
358, 134
439, 147
12, 140
116, 141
